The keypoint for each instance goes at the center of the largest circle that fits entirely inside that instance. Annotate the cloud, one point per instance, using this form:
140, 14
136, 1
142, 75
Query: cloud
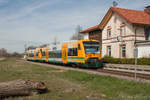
3, 1
34, 22
28, 9
134, 4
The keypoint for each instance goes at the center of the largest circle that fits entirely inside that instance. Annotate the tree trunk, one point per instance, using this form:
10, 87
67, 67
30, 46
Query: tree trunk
21, 88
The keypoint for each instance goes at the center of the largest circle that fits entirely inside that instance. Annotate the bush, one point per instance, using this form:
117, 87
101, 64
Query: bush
140, 61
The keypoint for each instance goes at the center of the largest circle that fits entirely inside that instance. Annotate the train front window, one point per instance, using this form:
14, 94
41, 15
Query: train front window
91, 47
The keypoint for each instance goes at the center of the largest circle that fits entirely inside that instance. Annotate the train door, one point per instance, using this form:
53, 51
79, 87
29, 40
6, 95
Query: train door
81, 53
65, 53
28, 54
47, 54
40, 54
34, 54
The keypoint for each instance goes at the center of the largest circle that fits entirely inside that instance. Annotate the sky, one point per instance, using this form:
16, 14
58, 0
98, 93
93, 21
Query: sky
37, 22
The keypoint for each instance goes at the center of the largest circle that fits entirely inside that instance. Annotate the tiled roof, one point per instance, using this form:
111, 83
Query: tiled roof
96, 27
133, 16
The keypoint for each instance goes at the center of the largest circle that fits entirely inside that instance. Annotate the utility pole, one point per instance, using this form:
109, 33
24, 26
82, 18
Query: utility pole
25, 48
135, 56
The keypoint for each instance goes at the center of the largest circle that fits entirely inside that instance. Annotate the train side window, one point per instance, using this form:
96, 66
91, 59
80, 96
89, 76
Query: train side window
52, 54
31, 55
37, 54
49, 53
69, 52
72, 52
75, 52
55, 54
60, 54
79, 47
43, 53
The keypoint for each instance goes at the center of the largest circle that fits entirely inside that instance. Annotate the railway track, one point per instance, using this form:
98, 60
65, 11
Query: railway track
107, 72
124, 73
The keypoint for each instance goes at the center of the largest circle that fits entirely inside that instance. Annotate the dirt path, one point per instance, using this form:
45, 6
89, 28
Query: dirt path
87, 71
2, 59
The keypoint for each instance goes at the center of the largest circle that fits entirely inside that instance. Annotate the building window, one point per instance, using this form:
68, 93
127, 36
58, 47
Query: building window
122, 30
109, 33
123, 51
109, 50
147, 32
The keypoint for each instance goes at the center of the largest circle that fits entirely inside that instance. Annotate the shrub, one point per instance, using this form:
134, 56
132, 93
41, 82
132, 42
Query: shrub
140, 61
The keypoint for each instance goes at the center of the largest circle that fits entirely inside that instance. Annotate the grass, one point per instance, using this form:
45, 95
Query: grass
73, 85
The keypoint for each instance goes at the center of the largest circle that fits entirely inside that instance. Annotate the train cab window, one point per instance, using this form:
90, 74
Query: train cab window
91, 47
72, 52
79, 47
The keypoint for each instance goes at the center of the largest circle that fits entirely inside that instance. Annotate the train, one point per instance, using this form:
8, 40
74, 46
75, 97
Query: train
81, 53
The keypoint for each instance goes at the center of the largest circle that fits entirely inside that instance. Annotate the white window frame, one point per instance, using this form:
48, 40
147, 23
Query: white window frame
123, 50
108, 33
122, 30
109, 50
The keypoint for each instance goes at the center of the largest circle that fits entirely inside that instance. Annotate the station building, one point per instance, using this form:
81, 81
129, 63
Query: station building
120, 31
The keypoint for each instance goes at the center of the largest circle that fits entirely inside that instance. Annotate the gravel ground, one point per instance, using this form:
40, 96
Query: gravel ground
87, 71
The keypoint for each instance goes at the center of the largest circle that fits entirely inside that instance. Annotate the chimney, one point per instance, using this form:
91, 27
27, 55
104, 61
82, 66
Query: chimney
147, 9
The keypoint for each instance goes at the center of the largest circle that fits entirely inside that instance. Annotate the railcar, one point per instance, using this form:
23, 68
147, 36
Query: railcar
30, 55
44, 54
38, 54
83, 53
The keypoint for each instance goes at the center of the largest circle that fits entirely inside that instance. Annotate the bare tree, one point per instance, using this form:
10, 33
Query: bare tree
31, 47
3, 52
15, 54
77, 35
55, 41
43, 45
